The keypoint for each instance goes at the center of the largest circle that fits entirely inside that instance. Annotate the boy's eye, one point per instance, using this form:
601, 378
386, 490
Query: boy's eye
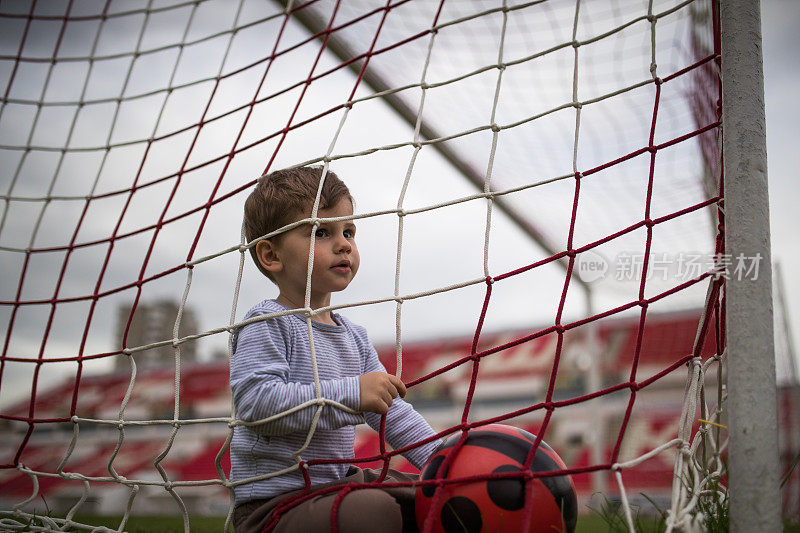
321, 232
349, 233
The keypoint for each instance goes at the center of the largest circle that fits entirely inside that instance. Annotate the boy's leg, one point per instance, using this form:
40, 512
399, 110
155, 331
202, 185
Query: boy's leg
403, 495
358, 511
384, 509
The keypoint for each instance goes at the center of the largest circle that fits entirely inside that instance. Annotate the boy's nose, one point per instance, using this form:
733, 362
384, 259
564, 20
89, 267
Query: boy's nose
342, 244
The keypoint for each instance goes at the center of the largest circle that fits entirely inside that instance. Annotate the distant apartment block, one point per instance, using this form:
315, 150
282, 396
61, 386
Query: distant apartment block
154, 322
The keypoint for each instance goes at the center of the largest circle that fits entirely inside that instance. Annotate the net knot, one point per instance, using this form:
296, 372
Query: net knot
489, 280
560, 329
571, 253
643, 304
495, 128
649, 222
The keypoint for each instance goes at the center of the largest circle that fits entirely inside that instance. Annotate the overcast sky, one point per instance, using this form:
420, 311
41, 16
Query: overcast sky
441, 247
781, 78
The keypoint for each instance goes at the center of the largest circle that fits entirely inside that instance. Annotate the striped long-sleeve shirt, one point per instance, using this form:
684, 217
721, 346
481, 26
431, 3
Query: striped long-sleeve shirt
272, 372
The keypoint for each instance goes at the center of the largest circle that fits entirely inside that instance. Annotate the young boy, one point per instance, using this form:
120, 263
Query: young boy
272, 373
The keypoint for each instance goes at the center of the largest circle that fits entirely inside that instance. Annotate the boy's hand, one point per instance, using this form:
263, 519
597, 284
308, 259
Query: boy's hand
377, 391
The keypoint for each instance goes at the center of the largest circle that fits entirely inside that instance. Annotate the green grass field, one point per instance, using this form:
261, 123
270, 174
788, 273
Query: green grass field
588, 523
157, 524
206, 524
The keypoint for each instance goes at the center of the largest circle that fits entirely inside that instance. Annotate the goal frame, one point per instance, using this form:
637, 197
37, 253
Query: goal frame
753, 458
753, 473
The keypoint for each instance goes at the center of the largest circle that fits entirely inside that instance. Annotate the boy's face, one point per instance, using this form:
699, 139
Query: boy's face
336, 258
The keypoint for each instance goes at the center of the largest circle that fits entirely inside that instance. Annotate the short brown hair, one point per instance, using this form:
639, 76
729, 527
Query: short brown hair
280, 197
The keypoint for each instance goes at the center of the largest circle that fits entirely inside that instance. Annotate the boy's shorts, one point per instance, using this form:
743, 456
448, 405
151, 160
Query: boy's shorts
389, 509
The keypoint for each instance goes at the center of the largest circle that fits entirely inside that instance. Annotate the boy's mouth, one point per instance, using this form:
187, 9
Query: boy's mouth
344, 266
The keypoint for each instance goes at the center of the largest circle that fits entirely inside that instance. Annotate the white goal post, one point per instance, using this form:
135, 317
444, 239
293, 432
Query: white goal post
754, 466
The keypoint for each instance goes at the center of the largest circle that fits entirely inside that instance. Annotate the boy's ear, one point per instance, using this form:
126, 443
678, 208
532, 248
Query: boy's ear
267, 255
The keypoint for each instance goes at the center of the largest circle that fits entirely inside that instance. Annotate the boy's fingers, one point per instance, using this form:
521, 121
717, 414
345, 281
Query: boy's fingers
387, 398
398, 384
384, 407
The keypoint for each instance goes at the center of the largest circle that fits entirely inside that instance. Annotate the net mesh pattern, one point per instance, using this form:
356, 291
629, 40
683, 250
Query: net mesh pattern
130, 136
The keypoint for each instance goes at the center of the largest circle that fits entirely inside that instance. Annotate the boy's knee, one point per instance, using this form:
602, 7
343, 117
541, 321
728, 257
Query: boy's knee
358, 511
369, 510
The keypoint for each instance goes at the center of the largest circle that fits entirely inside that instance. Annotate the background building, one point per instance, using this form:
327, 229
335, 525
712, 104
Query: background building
152, 323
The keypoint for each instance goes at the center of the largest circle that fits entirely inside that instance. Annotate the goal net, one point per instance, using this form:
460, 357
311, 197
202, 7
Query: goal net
542, 167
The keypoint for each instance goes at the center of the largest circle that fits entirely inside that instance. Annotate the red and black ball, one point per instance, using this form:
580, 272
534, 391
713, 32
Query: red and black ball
496, 504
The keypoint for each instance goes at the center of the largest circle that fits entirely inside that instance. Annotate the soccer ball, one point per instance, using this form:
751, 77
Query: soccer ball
496, 504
